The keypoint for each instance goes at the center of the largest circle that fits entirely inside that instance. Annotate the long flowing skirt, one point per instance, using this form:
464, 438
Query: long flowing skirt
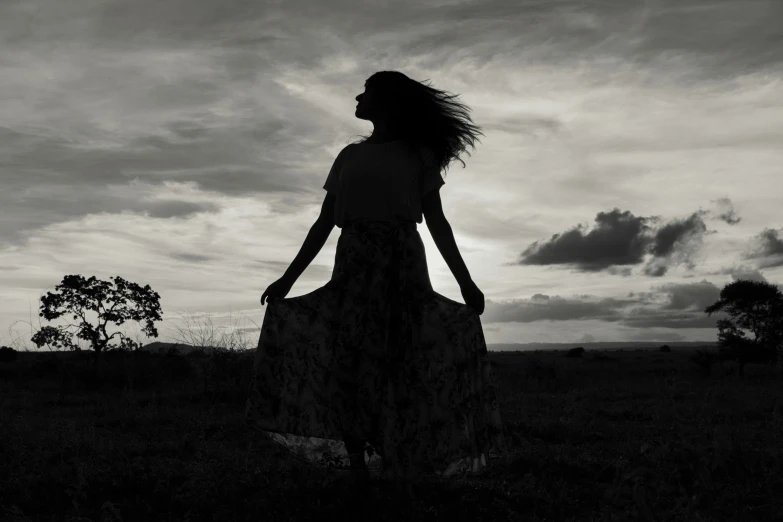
378, 356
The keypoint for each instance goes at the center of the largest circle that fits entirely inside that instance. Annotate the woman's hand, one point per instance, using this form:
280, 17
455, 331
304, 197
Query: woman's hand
473, 297
277, 290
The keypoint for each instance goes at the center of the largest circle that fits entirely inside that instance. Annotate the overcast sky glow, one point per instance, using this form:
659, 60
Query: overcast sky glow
631, 163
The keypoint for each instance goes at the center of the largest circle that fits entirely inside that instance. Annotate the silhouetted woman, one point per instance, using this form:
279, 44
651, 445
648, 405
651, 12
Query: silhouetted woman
376, 367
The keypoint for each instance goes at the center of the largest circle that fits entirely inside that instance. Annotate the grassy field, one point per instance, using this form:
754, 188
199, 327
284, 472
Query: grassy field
610, 436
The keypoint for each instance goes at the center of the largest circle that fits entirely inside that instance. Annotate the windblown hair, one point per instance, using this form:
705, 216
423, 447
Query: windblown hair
426, 116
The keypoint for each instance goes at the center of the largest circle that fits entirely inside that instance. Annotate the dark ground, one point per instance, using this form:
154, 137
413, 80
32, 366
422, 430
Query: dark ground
609, 436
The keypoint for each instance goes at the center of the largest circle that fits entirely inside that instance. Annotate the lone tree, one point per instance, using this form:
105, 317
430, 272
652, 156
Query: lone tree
79, 294
755, 307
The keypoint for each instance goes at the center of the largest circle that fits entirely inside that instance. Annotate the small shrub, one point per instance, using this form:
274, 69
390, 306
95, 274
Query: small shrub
664, 348
7, 354
575, 352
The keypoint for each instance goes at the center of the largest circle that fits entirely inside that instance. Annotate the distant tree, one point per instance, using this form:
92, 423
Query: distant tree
754, 307
665, 348
77, 295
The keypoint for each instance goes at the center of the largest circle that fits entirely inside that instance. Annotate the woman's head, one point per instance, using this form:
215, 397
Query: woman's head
419, 114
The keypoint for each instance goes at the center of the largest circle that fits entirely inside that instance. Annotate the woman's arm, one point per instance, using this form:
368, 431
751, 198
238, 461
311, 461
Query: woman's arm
441, 232
314, 241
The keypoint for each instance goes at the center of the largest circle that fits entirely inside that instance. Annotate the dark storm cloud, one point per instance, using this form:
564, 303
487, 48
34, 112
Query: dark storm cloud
724, 37
656, 268
192, 258
668, 306
555, 308
661, 319
525, 125
620, 238
674, 243
741, 272
143, 22
153, 158
67, 182
619, 271
170, 209
677, 233
748, 274
725, 211
695, 296
730, 37
155, 92
36, 207
767, 249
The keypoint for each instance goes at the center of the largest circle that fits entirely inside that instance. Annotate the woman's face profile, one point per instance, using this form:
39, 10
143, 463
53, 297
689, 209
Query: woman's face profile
368, 106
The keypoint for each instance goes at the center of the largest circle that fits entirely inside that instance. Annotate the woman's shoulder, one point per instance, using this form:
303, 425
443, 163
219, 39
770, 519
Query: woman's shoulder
346, 150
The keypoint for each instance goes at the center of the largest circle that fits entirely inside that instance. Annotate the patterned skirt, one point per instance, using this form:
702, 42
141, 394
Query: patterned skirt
376, 355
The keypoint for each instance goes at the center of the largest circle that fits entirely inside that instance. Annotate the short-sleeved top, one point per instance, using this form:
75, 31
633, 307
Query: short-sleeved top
383, 182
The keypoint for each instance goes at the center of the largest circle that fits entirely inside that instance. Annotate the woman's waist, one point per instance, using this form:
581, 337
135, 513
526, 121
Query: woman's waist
379, 225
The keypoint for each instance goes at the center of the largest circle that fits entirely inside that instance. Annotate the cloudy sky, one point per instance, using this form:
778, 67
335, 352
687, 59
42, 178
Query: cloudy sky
630, 164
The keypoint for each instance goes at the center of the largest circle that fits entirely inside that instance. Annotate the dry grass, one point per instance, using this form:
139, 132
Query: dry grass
615, 436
